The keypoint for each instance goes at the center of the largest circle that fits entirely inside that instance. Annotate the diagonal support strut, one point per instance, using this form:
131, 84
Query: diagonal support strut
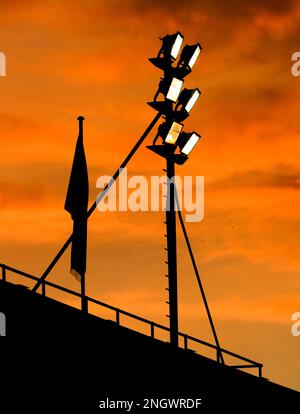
219, 352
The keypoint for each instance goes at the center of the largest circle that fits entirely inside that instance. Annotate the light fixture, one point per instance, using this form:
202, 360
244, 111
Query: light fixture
173, 133
186, 101
174, 89
171, 45
189, 56
187, 142
170, 88
169, 132
176, 103
192, 100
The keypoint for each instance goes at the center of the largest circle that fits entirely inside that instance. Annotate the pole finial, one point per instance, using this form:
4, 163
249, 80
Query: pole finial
80, 118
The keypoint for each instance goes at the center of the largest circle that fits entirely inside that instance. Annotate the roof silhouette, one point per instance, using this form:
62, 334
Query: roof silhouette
76, 359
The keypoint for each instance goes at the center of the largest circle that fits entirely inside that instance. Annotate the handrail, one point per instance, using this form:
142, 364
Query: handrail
157, 325
186, 337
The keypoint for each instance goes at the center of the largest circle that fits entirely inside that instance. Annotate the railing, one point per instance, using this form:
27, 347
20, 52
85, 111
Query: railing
247, 363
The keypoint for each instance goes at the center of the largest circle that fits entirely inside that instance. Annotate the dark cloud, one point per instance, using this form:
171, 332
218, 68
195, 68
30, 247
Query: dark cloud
39, 181
217, 24
9, 121
215, 7
12, 194
282, 176
219, 8
32, 183
249, 7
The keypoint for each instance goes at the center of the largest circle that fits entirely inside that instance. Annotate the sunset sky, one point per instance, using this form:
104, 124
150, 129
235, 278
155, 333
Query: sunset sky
91, 58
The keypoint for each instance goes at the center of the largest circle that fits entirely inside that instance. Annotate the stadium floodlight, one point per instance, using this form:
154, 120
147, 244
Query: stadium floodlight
170, 88
173, 133
174, 89
188, 98
169, 132
189, 56
185, 103
187, 142
171, 45
176, 145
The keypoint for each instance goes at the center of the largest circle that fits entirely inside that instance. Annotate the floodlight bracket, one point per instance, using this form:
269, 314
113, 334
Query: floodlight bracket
166, 109
162, 63
167, 151
165, 65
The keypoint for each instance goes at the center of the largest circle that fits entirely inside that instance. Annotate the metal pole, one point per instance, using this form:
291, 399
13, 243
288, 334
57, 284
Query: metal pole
98, 200
84, 306
172, 254
3, 273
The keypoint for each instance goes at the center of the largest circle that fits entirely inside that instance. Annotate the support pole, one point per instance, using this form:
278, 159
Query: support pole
99, 198
172, 254
84, 304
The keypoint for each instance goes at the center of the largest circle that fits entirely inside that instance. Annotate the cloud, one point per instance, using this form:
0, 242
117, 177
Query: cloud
232, 8
16, 195
12, 121
281, 176
32, 184
91, 57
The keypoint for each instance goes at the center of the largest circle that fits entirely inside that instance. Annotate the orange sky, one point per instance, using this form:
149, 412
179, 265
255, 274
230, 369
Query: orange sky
90, 58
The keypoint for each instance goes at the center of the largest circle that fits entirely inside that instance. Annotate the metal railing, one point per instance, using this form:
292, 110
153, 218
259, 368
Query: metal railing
247, 363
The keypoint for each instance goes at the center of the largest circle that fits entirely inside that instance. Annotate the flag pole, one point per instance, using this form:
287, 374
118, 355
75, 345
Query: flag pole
98, 200
84, 302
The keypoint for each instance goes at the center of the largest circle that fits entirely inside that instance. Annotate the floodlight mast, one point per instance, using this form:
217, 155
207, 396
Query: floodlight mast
170, 87
172, 251
170, 133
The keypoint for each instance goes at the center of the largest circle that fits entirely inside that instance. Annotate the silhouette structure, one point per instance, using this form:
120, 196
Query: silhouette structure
76, 204
99, 198
79, 359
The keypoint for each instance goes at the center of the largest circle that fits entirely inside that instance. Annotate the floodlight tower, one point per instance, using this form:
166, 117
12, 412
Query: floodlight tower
175, 107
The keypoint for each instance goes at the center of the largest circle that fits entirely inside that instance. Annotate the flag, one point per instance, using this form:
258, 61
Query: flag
76, 204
